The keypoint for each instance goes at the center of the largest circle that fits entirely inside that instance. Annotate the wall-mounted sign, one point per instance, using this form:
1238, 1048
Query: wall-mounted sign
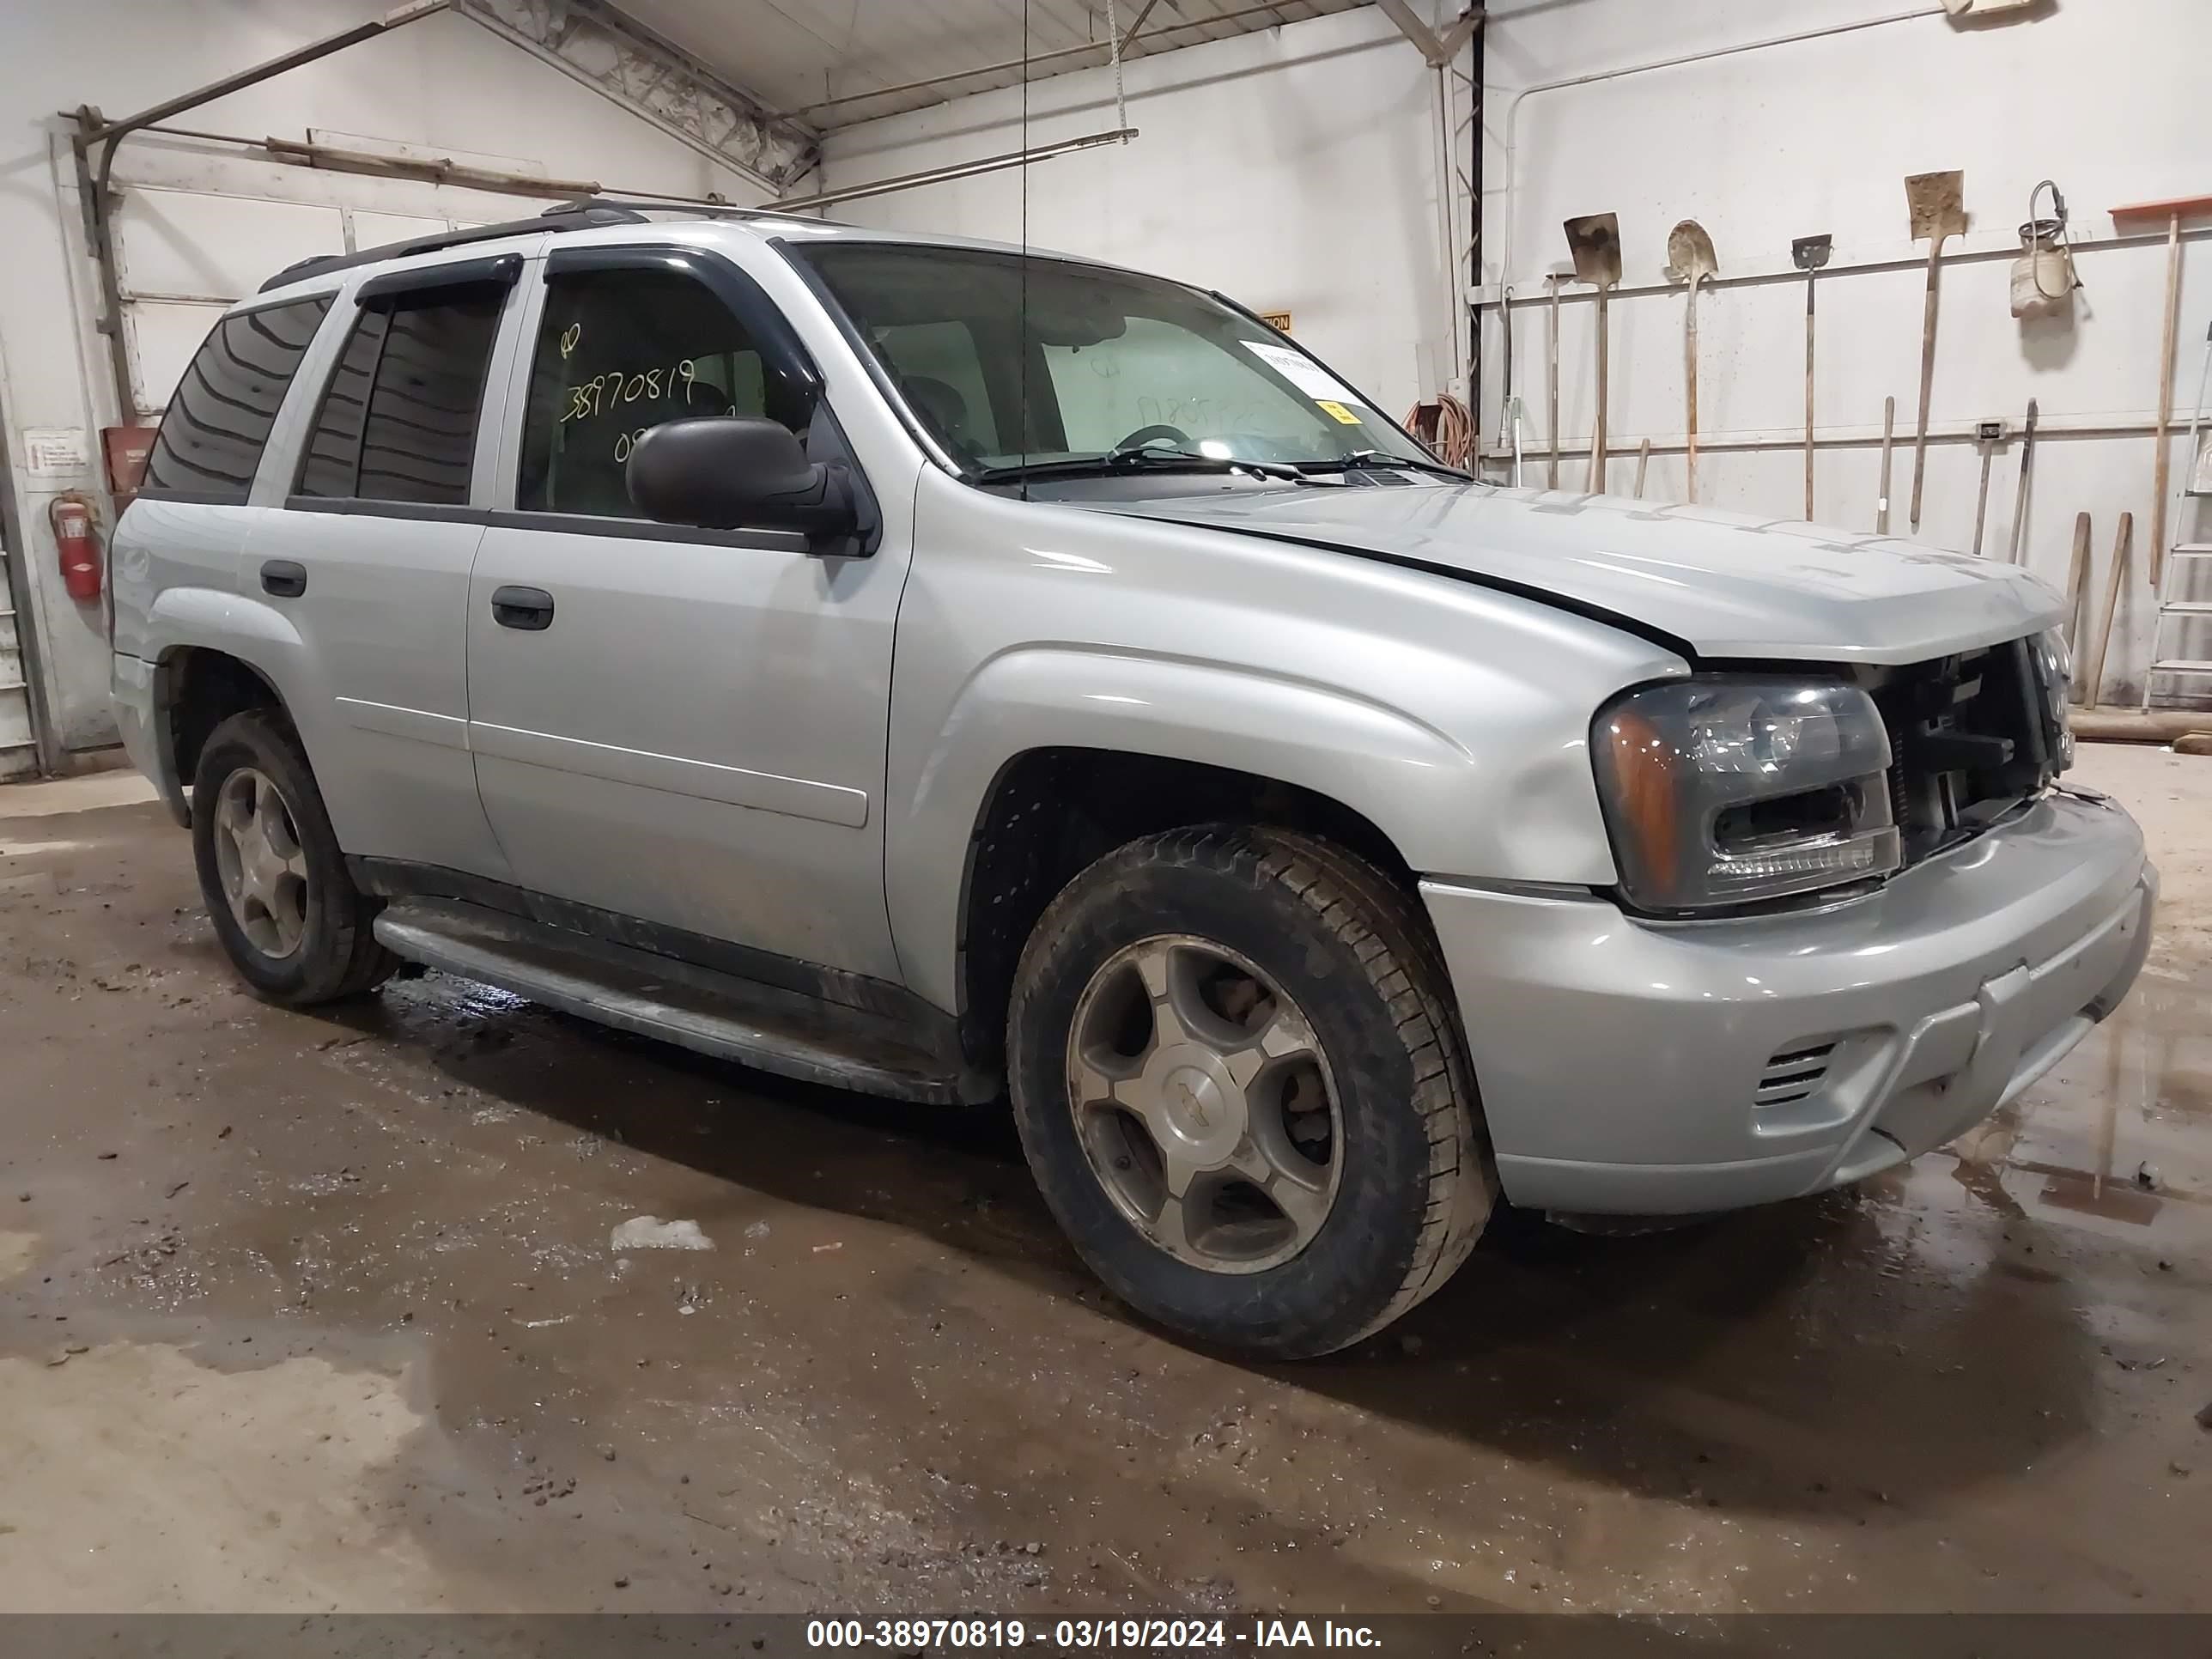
55, 452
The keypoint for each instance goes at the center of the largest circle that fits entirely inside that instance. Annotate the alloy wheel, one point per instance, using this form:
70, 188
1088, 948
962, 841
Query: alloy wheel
261, 865
1204, 1104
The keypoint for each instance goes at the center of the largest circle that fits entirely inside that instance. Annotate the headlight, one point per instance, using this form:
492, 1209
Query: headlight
1727, 789
2054, 671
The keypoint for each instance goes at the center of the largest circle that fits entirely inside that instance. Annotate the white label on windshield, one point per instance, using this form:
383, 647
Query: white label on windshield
1301, 371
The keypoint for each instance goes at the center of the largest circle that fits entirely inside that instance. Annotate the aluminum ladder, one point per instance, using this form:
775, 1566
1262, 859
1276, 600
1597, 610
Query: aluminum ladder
19, 748
2182, 554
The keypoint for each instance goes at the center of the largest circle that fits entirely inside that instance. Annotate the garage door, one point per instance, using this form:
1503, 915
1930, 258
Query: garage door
184, 254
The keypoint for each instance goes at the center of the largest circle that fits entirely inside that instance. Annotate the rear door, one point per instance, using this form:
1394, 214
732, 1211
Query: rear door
369, 559
682, 725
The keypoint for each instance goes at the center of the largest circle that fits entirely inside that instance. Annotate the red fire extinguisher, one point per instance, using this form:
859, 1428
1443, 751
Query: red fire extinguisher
76, 537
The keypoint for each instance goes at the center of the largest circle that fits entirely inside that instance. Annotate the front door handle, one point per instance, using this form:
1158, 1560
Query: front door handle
527, 607
284, 577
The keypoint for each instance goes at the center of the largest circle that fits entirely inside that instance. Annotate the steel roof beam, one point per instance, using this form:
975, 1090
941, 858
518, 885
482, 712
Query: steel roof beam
656, 80
1438, 48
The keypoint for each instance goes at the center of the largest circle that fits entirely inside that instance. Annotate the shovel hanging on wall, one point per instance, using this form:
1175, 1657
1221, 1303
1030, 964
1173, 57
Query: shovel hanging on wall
1938, 203
1809, 254
1593, 242
1690, 259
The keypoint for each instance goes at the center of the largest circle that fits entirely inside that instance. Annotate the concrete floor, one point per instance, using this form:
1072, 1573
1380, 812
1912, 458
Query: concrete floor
319, 1312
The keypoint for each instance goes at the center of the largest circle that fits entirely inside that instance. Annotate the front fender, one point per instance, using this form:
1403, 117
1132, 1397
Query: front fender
1434, 795
1454, 718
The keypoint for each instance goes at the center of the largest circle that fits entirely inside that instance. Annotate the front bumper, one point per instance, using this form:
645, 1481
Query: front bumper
1640, 1068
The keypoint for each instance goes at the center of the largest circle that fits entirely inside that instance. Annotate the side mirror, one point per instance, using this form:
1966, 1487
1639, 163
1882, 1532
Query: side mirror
731, 473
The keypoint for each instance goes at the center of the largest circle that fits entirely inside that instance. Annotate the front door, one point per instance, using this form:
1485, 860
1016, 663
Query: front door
681, 726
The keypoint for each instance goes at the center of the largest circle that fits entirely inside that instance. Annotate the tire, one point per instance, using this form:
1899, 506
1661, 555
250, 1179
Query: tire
1410, 1180
332, 951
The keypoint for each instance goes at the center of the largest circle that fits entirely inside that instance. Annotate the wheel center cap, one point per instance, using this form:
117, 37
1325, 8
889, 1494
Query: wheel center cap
1196, 1108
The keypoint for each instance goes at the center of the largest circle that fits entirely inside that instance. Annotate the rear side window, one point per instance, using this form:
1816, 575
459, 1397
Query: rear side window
398, 420
218, 421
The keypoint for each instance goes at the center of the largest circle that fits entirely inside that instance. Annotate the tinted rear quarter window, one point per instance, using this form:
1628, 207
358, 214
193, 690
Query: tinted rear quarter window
398, 419
218, 421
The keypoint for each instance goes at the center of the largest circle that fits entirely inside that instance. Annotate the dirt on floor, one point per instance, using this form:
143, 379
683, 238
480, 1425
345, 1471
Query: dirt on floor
314, 1312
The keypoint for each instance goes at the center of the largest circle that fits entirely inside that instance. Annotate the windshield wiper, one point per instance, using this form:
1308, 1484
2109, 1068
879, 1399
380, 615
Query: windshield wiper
1227, 463
1134, 461
1374, 460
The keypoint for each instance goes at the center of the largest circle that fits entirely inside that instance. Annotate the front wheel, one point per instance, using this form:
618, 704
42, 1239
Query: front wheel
1241, 1090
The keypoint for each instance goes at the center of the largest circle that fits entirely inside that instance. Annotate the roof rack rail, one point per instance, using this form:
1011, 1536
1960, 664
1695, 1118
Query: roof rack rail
690, 204
589, 215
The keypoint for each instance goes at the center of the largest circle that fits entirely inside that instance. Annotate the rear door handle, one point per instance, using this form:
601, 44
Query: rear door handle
527, 607
283, 578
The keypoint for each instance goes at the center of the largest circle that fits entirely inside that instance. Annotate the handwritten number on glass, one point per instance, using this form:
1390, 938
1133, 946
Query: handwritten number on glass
618, 386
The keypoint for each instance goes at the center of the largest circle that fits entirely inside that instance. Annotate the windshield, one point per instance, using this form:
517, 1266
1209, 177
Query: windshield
1111, 365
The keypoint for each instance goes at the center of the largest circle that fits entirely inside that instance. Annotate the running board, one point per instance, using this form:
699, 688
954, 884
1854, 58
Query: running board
697, 1008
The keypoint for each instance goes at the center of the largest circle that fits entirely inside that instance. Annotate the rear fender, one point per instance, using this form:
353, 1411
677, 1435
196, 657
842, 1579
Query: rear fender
259, 635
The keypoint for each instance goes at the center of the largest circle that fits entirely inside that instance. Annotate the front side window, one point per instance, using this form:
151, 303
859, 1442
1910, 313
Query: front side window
1016, 363
618, 352
400, 417
939, 368
219, 418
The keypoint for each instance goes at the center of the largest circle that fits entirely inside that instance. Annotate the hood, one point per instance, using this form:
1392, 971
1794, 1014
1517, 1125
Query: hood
1722, 583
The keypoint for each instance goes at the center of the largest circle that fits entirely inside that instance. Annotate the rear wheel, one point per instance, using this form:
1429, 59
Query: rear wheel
1241, 1089
288, 915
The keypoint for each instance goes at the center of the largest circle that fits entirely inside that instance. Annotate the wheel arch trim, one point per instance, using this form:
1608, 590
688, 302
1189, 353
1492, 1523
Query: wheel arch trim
1409, 780
186, 621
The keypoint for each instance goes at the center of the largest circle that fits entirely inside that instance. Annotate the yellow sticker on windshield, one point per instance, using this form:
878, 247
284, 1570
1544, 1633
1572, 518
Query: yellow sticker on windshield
1336, 413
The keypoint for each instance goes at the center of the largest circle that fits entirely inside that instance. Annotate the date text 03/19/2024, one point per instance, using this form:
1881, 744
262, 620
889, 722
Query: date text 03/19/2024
910, 1635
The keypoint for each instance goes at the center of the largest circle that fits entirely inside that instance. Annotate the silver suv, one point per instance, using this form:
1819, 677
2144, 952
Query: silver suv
919, 667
